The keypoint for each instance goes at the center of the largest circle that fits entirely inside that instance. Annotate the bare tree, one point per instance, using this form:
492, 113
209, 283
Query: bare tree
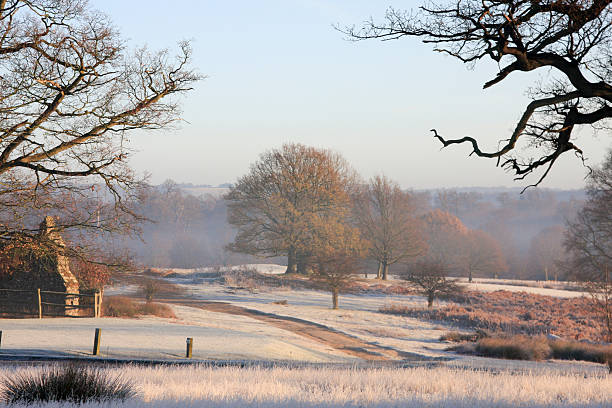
285, 194
70, 93
546, 251
572, 39
429, 279
589, 241
446, 240
482, 254
386, 217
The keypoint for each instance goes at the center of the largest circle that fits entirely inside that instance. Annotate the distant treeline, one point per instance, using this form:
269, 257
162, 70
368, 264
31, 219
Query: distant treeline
188, 230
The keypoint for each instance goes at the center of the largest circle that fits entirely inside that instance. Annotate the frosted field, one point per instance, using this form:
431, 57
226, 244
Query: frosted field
217, 336
456, 381
224, 336
198, 386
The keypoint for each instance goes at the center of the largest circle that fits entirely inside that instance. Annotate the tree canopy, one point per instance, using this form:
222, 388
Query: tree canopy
70, 94
569, 42
280, 206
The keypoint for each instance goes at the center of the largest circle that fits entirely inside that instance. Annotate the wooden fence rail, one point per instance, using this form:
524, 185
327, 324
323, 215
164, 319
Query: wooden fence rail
39, 298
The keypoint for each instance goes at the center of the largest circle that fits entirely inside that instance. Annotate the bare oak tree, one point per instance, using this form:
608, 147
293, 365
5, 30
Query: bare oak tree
70, 94
570, 39
386, 217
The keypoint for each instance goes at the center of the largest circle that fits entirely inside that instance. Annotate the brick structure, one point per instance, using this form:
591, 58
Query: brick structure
51, 273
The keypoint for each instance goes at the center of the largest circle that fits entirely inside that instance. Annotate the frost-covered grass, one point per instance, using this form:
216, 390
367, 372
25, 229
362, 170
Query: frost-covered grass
383, 387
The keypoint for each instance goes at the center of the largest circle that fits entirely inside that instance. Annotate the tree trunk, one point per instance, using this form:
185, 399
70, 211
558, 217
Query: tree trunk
379, 273
290, 262
430, 300
546, 273
302, 266
335, 298
470, 275
385, 270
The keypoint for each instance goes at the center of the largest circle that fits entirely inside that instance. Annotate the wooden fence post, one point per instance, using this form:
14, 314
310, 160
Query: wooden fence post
97, 339
96, 312
189, 347
39, 305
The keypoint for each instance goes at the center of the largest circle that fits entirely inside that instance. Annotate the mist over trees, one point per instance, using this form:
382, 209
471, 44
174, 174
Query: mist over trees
191, 229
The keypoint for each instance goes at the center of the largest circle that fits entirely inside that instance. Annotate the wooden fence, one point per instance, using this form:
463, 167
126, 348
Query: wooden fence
45, 303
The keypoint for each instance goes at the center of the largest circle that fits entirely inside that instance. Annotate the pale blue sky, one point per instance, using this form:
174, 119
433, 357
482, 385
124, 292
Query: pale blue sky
278, 72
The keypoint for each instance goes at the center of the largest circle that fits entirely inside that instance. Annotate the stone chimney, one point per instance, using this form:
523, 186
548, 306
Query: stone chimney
49, 231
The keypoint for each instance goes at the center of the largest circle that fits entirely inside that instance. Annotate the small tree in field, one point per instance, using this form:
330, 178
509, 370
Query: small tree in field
429, 279
335, 273
336, 249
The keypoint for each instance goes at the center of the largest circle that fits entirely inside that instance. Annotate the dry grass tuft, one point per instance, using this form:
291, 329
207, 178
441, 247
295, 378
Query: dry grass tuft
537, 348
514, 348
122, 306
458, 337
119, 306
76, 384
575, 350
157, 309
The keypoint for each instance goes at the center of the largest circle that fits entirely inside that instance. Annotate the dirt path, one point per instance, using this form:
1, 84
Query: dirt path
314, 331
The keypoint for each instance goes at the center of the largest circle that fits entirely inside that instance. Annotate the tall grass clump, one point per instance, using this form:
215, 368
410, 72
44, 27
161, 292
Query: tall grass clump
574, 350
121, 306
514, 348
70, 383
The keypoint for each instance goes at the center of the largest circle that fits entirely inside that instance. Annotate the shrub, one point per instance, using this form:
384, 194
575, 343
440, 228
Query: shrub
152, 288
77, 384
457, 337
514, 348
532, 348
119, 306
575, 350
157, 309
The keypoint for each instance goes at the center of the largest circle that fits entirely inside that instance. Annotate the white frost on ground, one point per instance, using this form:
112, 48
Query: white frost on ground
225, 336
231, 387
489, 287
216, 336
